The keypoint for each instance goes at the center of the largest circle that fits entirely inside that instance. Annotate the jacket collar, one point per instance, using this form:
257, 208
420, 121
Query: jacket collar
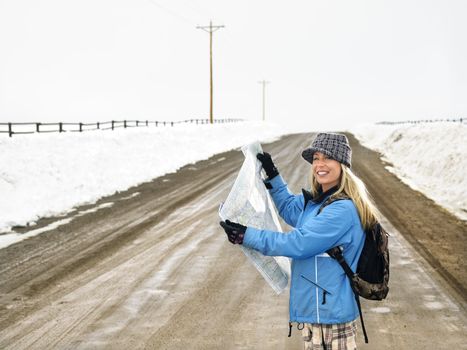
320, 197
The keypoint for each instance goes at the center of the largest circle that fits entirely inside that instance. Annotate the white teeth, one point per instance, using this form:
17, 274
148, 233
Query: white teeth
321, 173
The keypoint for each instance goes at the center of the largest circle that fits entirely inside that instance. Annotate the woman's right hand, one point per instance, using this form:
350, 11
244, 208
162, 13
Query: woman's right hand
235, 232
268, 165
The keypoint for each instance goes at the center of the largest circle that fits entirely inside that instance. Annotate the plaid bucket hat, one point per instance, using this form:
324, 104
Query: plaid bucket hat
335, 146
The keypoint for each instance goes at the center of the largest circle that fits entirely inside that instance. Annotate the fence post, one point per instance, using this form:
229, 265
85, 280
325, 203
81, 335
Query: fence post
10, 132
164, 123
156, 123
60, 127
37, 127
80, 127
98, 125
124, 124
112, 124
137, 123
172, 123
147, 123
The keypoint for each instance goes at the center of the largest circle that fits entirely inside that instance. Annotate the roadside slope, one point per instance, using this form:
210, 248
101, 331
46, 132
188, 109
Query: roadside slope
435, 233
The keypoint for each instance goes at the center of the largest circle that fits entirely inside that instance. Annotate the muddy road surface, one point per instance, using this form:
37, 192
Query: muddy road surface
149, 268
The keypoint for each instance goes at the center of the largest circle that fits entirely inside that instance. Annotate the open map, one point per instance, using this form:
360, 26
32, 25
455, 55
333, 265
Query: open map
250, 204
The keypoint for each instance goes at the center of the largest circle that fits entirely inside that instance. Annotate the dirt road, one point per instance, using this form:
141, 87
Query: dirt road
150, 268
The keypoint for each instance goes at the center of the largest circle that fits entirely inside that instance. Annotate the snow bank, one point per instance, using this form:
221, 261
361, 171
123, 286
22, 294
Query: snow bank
431, 158
49, 174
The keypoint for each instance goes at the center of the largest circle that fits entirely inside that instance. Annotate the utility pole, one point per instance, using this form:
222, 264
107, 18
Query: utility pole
210, 29
264, 83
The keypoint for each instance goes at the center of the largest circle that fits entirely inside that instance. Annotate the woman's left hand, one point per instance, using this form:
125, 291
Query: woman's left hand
268, 165
235, 232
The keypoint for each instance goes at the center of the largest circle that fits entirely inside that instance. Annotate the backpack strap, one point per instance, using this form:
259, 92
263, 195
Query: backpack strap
357, 299
330, 200
336, 253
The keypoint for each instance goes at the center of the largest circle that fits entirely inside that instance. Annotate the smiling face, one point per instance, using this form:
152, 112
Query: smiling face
326, 171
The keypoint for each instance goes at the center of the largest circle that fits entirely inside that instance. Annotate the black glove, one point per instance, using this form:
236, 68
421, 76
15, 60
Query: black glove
268, 165
235, 232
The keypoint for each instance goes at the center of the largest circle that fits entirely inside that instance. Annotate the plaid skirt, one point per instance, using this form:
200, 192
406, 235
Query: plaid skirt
334, 336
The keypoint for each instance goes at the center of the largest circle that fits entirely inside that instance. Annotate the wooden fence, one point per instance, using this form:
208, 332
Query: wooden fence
454, 120
31, 128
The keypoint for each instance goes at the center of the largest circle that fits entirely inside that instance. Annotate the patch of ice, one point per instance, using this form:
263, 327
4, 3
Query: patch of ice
11, 238
381, 310
131, 195
434, 305
403, 262
429, 297
93, 210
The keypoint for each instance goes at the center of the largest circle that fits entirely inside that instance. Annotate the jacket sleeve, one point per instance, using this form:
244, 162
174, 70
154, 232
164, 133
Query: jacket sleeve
289, 205
318, 234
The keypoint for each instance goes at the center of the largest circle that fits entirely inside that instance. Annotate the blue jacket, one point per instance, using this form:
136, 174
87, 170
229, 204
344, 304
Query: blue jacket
320, 291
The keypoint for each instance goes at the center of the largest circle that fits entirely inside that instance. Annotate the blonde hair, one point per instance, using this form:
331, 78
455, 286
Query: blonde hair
354, 188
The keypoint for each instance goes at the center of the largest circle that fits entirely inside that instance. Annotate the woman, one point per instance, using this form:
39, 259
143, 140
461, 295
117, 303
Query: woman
321, 298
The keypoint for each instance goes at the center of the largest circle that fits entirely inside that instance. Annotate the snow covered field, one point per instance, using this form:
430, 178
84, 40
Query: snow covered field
49, 174
430, 158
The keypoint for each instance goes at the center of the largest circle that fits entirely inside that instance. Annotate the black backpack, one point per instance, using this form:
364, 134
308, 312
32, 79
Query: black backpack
371, 279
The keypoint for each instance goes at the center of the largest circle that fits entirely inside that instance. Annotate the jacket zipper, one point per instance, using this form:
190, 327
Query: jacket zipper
316, 279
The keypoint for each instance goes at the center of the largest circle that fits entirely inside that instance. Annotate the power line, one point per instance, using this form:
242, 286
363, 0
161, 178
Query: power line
172, 13
201, 11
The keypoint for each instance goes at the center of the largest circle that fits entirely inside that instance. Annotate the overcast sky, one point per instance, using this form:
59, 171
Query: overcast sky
330, 63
